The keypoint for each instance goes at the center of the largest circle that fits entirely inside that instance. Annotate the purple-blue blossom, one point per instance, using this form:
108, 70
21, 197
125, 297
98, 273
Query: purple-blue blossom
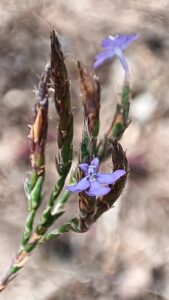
94, 183
113, 45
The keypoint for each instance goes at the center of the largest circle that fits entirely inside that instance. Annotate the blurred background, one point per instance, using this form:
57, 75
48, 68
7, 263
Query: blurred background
125, 255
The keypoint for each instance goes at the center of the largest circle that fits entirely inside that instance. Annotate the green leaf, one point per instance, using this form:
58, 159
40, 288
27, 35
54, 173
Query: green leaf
35, 196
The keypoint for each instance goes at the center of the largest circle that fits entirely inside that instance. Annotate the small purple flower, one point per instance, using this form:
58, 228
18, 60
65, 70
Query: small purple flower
113, 45
94, 183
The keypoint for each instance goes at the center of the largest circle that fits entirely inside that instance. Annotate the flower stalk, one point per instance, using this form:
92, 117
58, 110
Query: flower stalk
119, 123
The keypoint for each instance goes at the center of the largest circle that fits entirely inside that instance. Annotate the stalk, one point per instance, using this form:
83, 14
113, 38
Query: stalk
33, 186
119, 123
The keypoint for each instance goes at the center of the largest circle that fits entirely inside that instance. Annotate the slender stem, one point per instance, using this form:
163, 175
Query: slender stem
23, 254
55, 233
18, 263
119, 123
47, 218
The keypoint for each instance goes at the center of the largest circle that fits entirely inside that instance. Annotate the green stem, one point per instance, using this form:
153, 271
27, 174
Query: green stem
55, 233
28, 227
119, 124
23, 254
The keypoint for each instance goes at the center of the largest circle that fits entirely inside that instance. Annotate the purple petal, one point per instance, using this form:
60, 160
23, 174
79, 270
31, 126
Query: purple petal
107, 178
95, 163
110, 42
123, 61
121, 41
84, 167
97, 190
82, 185
104, 53
102, 57
126, 40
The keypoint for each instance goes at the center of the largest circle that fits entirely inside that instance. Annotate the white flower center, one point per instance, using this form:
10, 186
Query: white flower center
118, 52
92, 173
111, 37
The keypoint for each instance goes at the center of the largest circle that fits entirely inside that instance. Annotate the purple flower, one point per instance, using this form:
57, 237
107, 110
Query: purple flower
113, 45
94, 183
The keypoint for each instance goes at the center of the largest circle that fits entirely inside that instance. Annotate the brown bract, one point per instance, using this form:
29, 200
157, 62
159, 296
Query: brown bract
90, 89
38, 131
61, 83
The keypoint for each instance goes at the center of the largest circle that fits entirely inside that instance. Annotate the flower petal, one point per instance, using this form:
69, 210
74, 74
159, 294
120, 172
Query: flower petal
95, 163
97, 190
126, 40
102, 57
121, 41
109, 42
104, 53
123, 61
84, 167
110, 178
82, 185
